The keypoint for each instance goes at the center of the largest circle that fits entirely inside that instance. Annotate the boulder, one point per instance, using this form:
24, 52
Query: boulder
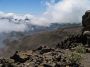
86, 33
21, 56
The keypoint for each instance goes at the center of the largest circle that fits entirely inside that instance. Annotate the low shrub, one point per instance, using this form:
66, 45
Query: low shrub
80, 49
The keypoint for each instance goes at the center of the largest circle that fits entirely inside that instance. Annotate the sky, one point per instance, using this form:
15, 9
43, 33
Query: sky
41, 12
22, 6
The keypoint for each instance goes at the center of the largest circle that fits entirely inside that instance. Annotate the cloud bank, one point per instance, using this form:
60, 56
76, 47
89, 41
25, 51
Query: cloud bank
62, 11
66, 10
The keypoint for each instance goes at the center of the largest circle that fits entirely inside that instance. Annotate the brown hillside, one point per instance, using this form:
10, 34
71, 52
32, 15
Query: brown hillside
50, 39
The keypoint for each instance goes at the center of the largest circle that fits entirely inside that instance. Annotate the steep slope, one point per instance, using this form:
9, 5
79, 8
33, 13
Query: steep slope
50, 39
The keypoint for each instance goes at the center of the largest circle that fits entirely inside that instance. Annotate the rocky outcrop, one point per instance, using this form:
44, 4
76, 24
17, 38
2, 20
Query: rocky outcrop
70, 42
86, 27
21, 56
86, 20
40, 57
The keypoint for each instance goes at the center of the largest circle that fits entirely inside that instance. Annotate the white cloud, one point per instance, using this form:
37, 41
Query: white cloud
6, 15
8, 22
63, 11
67, 10
6, 26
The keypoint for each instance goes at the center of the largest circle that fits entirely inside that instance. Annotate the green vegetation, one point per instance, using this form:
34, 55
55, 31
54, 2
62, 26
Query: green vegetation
74, 58
80, 49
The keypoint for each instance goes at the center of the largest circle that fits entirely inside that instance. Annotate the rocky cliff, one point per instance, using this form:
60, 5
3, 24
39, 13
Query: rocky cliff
86, 27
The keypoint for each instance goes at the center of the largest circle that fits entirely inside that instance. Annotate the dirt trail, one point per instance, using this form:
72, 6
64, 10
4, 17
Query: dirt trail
86, 60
